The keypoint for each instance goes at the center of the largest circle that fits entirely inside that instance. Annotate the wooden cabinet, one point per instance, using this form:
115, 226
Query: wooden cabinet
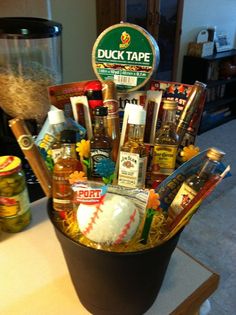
217, 71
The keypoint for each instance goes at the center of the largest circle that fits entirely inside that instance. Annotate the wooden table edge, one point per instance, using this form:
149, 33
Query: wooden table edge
193, 302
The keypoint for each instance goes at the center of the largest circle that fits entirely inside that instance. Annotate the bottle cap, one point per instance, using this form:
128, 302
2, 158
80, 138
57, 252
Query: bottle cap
100, 111
56, 117
215, 154
68, 136
137, 117
169, 104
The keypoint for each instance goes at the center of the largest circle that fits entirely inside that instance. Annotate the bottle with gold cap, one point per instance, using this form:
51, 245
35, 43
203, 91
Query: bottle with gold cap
193, 184
166, 143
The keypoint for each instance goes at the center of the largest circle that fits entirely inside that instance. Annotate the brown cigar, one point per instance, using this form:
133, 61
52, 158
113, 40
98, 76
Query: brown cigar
32, 154
191, 105
113, 122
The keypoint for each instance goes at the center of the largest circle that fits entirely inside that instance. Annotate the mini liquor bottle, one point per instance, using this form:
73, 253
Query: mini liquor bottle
57, 122
68, 163
133, 157
166, 144
101, 143
193, 184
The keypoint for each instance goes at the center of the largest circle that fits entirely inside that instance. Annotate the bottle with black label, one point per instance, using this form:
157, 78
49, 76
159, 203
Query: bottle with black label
193, 184
101, 143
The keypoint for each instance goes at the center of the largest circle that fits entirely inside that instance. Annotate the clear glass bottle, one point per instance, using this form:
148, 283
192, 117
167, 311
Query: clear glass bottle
101, 143
193, 184
57, 122
133, 157
15, 212
166, 144
68, 163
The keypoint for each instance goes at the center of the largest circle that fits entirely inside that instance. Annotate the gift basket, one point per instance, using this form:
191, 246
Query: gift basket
117, 158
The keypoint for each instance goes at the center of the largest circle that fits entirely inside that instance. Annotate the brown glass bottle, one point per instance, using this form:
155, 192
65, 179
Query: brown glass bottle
101, 143
193, 184
68, 163
166, 143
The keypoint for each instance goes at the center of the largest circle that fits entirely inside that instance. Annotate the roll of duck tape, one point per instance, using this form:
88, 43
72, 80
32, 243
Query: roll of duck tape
126, 54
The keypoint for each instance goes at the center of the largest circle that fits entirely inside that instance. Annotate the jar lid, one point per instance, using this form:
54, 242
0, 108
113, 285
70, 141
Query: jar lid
137, 117
28, 27
56, 117
215, 154
9, 164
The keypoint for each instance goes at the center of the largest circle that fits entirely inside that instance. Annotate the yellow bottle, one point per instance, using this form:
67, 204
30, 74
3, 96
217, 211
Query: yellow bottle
166, 144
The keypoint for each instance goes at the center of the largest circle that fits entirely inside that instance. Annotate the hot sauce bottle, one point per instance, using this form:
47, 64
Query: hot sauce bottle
193, 184
101, 143
166, 144
133, 157
93, 91
68, 163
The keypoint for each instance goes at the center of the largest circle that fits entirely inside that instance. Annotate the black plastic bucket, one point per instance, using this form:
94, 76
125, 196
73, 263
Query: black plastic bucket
110, 283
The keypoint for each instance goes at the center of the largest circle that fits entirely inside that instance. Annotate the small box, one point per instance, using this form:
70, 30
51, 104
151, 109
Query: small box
200, 49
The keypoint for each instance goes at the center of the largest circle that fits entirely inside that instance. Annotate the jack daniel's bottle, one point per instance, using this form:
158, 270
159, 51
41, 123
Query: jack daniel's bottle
101, 143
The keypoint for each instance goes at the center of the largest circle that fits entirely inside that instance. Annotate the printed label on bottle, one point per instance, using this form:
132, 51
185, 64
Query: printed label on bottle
96, 156
132, 170
164, 158
15, 205
181, 200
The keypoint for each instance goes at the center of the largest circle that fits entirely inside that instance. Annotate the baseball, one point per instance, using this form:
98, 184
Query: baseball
113, 222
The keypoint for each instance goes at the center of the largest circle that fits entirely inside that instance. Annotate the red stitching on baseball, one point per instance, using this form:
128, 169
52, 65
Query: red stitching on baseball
92, 220
126, 228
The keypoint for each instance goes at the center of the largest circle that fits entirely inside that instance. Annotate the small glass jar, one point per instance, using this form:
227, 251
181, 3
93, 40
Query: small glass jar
15, 212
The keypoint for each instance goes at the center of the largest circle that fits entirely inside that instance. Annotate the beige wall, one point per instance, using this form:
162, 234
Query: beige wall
201, 14
78, 18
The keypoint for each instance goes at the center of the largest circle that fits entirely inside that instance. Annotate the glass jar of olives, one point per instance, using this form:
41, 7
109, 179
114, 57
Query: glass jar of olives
15, 212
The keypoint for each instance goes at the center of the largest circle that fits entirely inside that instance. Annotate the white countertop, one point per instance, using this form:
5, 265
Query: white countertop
34, 279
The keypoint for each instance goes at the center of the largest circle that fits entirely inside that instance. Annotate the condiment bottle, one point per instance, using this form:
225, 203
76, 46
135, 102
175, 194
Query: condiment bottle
15, 212
68, 163
113, 122
57, 122
93, 91
193, 184
166, 144
101, 143
133, 158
